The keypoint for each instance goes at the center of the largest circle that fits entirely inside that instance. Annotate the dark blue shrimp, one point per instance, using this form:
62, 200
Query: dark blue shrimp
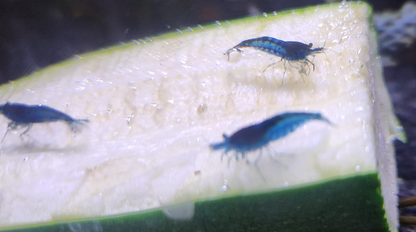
25, 115
256, 136
287, 50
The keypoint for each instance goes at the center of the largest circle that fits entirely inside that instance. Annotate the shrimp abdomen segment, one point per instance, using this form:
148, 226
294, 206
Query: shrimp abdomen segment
21, 113
284, 124
267, 44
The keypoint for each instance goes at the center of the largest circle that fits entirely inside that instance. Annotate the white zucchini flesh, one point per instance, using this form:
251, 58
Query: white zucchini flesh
156, 105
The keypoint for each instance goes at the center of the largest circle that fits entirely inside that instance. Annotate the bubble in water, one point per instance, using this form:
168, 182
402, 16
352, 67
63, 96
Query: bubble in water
225, 186
286, 184
357, 169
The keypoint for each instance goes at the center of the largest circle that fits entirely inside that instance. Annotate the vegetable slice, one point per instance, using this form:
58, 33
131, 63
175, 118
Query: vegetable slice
155, 106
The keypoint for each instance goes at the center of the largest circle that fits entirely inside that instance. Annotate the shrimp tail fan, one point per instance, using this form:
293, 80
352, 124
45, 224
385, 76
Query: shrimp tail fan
77, 124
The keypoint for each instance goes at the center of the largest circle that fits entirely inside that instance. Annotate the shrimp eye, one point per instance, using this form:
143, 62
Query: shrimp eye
310, 45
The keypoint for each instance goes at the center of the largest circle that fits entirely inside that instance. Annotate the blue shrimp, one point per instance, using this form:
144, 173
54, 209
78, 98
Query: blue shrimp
25, 115
258, 135
291, 51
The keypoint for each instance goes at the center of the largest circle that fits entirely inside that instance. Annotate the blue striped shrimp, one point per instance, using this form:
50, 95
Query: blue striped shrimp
259, 135
25, 115
290, 51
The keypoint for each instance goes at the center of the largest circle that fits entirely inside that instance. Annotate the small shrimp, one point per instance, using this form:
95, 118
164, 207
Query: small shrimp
258, 135
291, 51
25, 115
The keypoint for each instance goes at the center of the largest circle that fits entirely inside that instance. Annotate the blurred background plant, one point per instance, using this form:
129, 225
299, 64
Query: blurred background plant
35, 34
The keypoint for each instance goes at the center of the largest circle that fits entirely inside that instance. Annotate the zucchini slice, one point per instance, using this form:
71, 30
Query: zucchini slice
155, 105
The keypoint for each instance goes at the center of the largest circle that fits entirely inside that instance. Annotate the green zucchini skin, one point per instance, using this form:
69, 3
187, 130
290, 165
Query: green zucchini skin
350, 204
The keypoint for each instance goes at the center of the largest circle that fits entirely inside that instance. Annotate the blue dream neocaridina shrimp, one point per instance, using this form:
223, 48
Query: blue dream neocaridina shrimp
291, 51
258, 135
25, 115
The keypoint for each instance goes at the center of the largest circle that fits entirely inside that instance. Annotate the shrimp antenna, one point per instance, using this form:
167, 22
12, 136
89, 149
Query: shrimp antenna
10, 95
305, 41
291, 33
328, 48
